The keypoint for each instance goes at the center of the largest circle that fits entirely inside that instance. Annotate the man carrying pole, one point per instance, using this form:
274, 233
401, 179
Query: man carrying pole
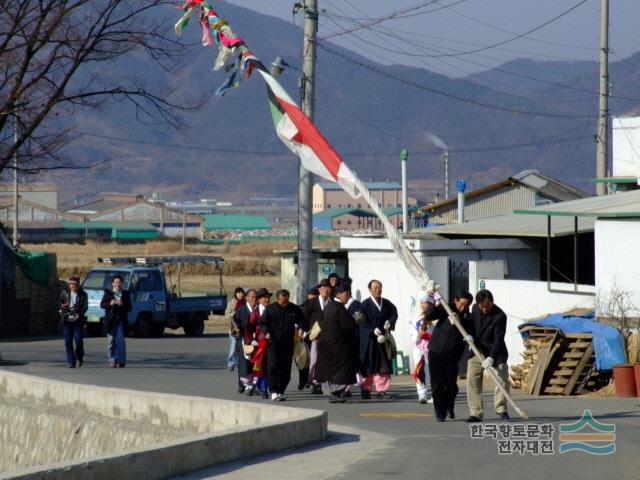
489, 325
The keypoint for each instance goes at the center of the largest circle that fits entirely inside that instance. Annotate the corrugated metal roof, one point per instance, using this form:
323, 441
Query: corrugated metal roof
236, 222
511, 225
533, 179
625, 204
370, 185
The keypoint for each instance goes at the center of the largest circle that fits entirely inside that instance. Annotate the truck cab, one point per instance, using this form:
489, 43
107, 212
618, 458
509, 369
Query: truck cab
154, 307
148, 297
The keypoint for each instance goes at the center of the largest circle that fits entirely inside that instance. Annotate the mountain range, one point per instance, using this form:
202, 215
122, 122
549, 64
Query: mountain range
523, 114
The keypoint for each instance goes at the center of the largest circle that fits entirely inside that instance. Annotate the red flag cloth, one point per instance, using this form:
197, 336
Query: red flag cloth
258, 359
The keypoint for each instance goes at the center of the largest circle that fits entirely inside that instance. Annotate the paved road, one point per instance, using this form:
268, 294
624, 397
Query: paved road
372, 439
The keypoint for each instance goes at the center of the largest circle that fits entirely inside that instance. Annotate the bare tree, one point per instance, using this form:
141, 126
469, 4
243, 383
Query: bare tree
60, 55
617, 305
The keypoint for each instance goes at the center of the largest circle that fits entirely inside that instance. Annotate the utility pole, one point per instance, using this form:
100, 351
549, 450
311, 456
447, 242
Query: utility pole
305, 223
445, 180
603, 120
184, 227
15, 182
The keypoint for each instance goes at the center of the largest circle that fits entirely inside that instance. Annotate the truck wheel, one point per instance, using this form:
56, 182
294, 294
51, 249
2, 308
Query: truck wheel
158, 329
144, 325
195, 326
95, 329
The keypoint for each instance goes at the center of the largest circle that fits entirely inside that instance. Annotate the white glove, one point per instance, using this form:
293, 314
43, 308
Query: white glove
387, 325
437, 297
254, 343
468, 339
360, 317
488, 363
451, 320
381, 339
377, 332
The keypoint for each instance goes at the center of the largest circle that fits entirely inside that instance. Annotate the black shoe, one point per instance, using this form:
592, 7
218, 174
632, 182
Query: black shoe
71, 365
336, 399
365, 394
316, 389
452, 414
79, 363
440, 419
240, 388
383, 396
121, 365
346, 395
301, 386
265, 394
504, 416
473, 419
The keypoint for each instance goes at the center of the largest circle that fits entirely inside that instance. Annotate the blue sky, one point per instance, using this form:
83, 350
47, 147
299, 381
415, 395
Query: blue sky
466, 25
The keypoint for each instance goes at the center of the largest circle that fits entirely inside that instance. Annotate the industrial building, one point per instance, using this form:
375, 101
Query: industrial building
527, 189
327, 195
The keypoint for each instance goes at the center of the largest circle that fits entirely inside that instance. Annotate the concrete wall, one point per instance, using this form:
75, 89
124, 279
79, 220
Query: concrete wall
90, 432
618, 258
524, 300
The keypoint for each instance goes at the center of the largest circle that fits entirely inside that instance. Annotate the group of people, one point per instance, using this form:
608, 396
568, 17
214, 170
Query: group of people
346, 341
349, 345
338, 342
73, 306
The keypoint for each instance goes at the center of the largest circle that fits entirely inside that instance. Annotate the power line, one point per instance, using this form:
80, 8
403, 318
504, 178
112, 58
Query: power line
544, 141
403, 13
459, 98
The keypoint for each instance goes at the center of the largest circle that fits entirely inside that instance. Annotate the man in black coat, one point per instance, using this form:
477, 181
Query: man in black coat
337, 350
117, 305
313, 314
312, 294
280, 322
380, 319
445, 349
488, 327
73, 307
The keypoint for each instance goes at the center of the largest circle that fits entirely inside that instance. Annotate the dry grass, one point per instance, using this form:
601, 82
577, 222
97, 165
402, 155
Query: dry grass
248, 265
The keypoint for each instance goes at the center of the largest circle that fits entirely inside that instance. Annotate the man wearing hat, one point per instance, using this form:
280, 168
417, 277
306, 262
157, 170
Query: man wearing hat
260, 358
337, 349
303, 373
73, 307
313, 313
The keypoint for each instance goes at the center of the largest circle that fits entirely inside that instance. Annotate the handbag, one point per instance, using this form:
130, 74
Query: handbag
315, 331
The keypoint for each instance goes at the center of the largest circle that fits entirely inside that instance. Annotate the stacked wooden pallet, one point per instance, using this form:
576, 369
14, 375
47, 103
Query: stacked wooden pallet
555, 363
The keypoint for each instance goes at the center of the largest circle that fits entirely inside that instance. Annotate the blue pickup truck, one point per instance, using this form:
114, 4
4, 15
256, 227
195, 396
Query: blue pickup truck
154, 306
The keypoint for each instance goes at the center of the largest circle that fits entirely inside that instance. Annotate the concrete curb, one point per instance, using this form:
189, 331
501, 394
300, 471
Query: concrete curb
248, 429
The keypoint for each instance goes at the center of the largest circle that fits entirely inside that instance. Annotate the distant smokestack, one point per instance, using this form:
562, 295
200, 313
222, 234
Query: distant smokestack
445, 159
461, 186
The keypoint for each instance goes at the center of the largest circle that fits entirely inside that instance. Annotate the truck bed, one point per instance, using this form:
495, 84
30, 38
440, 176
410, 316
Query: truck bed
215, 303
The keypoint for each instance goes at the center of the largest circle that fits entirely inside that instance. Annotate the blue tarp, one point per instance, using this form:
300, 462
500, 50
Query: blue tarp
607, 340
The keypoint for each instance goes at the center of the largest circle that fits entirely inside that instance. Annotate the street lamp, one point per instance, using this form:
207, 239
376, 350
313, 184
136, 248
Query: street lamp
305, 223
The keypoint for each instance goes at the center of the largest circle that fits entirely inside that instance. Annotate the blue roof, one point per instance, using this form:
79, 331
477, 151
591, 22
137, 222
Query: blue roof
370, 186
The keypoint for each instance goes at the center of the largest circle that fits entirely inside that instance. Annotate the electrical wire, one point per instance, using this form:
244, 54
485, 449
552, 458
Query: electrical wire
452, 96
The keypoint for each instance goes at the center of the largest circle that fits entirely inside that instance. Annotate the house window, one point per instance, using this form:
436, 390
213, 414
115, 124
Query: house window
338, 222
328, 205
359, 205
348, 222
